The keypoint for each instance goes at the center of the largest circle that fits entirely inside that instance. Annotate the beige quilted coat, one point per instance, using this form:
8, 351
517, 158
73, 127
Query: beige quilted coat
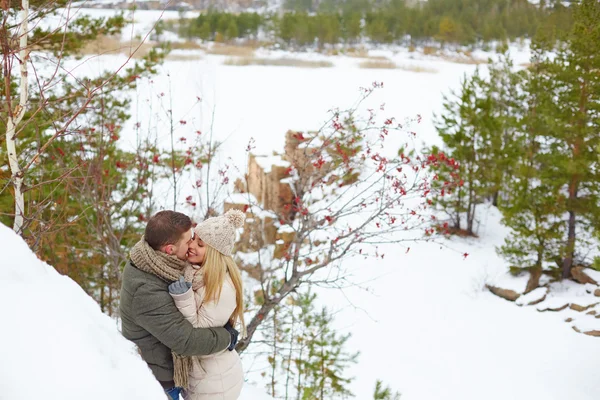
218, 376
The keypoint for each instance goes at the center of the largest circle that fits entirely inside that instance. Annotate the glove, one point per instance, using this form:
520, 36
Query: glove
180, 286
234, 335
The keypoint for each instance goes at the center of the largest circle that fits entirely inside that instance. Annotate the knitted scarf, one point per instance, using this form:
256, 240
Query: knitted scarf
193, 273
183, 364
166, 267
169, 269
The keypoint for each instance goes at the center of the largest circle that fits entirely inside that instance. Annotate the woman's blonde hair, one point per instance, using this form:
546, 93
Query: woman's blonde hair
215, 266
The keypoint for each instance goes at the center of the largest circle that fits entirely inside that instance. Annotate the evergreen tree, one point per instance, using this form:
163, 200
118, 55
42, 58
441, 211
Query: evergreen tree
351, 26
232, 29
572, 158
384, 393
530, 207
325, 360
467, 129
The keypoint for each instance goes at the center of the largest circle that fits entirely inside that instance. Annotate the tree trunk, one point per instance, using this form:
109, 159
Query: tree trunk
573, 189
290, 356
274, 361
568, 260
14, 118
471, 214
534, 279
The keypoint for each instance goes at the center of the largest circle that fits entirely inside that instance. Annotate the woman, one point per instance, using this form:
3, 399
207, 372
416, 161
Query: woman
215, 298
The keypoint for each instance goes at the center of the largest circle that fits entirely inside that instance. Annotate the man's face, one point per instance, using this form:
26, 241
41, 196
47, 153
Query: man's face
180, 248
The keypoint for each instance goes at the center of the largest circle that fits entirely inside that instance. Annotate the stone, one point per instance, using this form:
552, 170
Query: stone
538, 301
593, 333
597, 292
579, 308
576, 329
593, 312
559, 308
506, 294
569, 320
580, 276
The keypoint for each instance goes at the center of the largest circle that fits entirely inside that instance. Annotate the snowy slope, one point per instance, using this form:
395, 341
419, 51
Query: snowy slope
431, 331
55, 343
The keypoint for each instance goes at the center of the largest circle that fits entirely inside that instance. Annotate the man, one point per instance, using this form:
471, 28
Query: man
148, 313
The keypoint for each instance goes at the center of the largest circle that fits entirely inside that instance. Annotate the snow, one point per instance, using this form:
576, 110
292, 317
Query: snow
533, 296
58, 343
241, 198
595, 275
253, 393
268, 162
508, 281
431, 331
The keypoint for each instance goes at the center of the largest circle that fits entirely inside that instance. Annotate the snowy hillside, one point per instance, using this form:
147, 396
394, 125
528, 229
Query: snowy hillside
55, 341
431, 330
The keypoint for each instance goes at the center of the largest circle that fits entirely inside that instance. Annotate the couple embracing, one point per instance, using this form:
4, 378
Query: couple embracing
180, 300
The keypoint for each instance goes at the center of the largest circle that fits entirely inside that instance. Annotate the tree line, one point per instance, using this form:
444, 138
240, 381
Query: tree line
528, 141
465, 22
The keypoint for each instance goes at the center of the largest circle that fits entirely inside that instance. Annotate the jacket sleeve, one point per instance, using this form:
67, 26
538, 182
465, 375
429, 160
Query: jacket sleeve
186, 303
156, 312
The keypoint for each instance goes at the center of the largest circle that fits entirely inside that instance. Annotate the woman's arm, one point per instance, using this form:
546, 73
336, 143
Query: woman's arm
186, 304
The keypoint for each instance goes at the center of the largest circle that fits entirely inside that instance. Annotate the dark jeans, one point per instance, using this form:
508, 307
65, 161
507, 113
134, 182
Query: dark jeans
174, 392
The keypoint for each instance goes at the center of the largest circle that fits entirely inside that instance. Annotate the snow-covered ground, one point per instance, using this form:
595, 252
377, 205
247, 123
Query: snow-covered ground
421, 319
432, 331
57, 344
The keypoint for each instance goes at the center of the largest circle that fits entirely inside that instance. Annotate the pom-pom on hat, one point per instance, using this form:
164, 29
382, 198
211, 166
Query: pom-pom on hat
219, 232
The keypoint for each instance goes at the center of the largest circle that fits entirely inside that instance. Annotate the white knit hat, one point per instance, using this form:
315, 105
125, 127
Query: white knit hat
219, 232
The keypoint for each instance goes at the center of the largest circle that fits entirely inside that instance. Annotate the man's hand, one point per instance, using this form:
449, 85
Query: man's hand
180, 286
234, 335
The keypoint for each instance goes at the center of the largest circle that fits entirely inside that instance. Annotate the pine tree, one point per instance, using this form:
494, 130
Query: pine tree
557, 172
325, 359
384, 393
577, 111
232, 30
468, 132
503, 93
530, 208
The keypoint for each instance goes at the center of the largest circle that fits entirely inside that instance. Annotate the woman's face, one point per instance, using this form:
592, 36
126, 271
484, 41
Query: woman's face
195, 254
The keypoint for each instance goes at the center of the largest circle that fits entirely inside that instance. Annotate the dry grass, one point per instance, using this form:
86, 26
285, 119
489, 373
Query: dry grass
362, 53
183, 57
461, 56
278, 62
227, 50
457, 59
417, 68
428, 50
112, 45
387, 64
187, 45
378, 64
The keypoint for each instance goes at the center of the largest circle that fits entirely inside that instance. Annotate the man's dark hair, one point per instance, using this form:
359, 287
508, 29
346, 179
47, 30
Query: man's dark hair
166, 227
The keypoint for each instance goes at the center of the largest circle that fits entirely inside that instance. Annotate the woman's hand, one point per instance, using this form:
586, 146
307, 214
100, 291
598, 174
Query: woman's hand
180, 286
